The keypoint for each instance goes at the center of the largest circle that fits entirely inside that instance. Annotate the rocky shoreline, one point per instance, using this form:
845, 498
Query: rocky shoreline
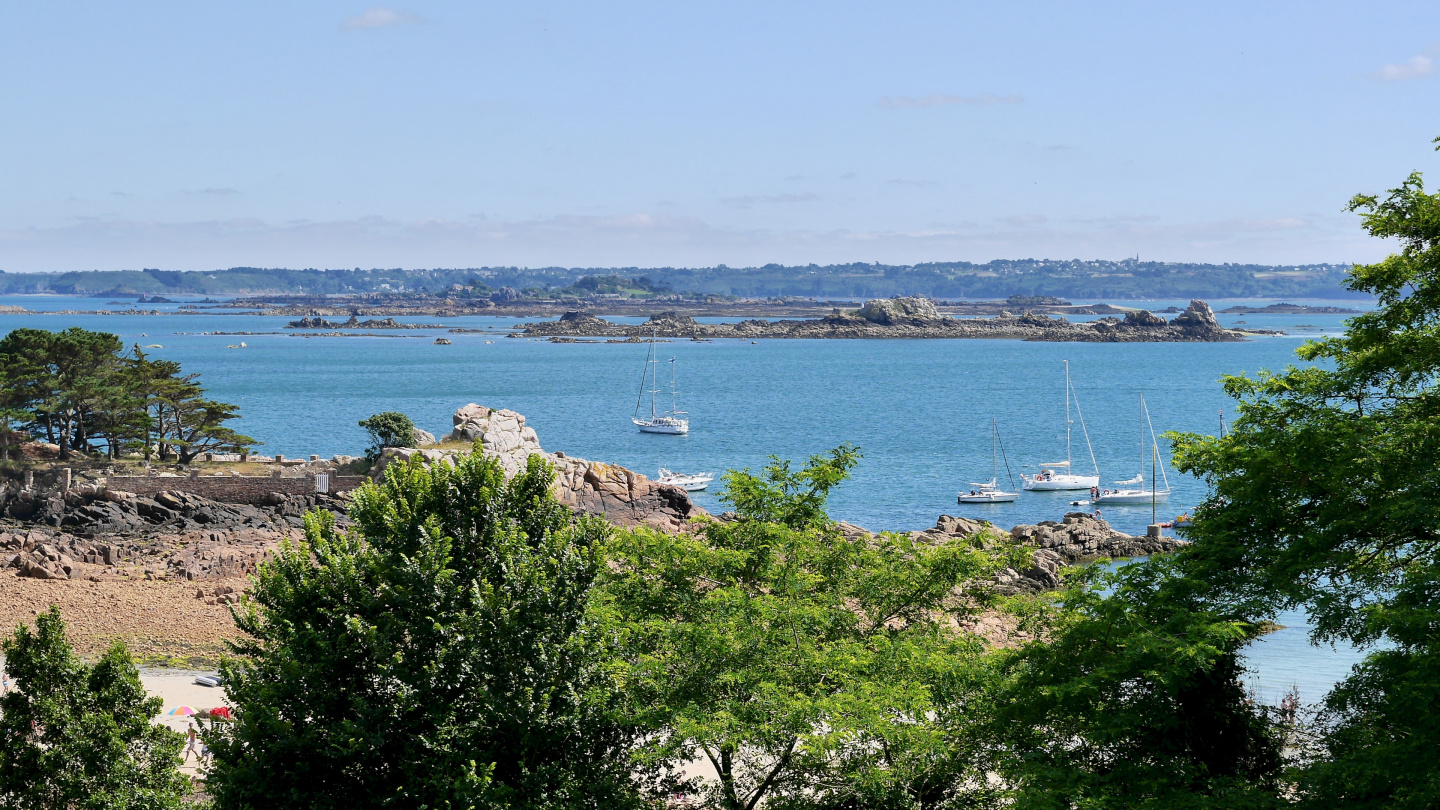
161, 571
908, 318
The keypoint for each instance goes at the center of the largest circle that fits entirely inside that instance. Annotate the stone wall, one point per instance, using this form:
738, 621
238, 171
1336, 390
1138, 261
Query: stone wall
232, 488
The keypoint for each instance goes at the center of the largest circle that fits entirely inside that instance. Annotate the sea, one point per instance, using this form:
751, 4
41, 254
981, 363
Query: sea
920, 411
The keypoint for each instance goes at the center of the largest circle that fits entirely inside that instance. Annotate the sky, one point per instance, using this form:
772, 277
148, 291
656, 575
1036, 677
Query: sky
331, 134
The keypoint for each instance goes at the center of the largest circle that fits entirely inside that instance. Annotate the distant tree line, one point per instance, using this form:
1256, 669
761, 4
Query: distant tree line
82, 391
1098, 279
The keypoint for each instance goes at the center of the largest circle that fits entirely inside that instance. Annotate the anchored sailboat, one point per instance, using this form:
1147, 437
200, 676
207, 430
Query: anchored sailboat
1133, 490
1048, 479
673, 421
989, 492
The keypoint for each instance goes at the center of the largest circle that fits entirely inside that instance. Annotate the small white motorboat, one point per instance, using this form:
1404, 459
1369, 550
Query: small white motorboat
689, 483
989, 491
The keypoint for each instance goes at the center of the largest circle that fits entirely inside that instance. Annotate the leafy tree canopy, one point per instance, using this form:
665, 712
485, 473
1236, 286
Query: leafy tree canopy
1324, 497
80, 736
388, 429
806, 667
440, 654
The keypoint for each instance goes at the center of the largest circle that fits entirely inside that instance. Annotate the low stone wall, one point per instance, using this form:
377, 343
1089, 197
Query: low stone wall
235, 488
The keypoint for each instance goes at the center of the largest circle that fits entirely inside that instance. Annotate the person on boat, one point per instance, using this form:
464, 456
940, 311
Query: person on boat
1094, 491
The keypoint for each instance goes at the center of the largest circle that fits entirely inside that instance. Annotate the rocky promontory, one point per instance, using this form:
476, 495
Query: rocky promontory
907, 318
317, 322
622, 496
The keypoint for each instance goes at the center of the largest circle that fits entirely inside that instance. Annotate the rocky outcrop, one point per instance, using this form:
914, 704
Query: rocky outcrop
915, 311
420, 438
904, 318
622, 496
317, 322
1079, 538
91, 532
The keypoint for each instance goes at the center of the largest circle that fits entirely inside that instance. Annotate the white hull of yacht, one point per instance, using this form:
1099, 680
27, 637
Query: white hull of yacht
989, 496
1131, 497
1056, 483
673, 427
689, 483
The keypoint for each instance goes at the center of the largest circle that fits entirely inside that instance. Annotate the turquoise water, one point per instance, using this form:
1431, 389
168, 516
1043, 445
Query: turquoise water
919, 410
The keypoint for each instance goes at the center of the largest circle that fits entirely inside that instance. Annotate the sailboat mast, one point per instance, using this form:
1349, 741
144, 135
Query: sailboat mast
1067, 416
1141, 470
654, 375
994, 446
674, 403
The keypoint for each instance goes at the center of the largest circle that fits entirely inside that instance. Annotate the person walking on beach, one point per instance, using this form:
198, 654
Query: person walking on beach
190, 748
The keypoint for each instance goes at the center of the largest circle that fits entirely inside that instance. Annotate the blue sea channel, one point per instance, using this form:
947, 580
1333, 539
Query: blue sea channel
919, 410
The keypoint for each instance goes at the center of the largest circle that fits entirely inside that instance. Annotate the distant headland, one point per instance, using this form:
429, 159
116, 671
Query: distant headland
1129, 279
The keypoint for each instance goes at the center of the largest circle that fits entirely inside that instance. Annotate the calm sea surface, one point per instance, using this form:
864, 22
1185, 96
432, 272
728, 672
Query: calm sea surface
919, 410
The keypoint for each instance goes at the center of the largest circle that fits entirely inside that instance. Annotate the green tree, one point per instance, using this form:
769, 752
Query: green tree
1132, 698
388, 429
80, 736
75, 388
1324, 497
804, 666
441, 654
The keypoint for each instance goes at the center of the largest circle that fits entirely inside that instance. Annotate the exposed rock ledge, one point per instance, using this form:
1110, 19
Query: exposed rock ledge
909, 318
622, 496
1079, 538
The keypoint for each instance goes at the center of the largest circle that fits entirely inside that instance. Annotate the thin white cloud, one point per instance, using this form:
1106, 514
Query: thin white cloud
1413, 68
379, 17
946, 100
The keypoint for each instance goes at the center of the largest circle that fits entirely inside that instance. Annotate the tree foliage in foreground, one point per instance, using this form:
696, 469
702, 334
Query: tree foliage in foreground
807, 668
1133, 698
441, 654
1325, 497
80, 736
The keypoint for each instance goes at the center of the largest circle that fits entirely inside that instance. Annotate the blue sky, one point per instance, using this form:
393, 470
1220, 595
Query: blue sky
329, 134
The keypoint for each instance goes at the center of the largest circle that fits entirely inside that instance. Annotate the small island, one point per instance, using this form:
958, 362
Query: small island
908, 318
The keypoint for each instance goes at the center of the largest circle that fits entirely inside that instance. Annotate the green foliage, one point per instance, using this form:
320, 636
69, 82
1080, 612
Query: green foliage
388, 429
442, 654
805, 666
75, 388
78, 736
1324, 496
1133, 699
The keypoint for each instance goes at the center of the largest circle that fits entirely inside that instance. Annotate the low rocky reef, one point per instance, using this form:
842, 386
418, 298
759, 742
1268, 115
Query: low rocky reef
316, 322
907, 318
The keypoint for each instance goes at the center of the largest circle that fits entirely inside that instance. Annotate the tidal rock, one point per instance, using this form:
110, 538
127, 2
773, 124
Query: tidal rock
1143, 317
1197, 317
892, 311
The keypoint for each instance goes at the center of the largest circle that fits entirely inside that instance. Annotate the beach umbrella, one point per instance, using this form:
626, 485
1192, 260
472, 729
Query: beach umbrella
181, 711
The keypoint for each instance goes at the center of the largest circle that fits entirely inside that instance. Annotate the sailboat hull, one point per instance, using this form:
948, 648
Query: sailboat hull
672, 427
993, 496
1130, 497
1062, 483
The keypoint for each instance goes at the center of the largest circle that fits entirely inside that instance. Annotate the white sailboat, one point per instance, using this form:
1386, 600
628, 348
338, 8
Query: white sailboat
689, 483
673, 421
989, 492
1132, 491
1049, 479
